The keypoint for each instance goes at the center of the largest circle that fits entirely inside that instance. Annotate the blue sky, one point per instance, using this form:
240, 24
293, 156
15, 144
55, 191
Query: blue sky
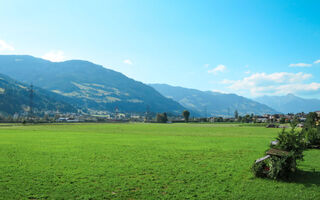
251, 48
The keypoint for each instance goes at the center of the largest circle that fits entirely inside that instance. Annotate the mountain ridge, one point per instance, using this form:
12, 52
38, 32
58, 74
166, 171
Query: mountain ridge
212, 103
290, 103
89, 85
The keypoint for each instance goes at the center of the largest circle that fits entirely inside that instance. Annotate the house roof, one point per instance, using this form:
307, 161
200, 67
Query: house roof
277, 152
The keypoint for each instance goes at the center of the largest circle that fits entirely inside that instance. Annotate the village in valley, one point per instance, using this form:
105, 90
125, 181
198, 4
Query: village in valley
271, 120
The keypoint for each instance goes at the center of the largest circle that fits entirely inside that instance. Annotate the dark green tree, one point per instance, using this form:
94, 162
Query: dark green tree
311, 130
236, 114
246, 119
165, 117
162, 118
186, 115
312, 118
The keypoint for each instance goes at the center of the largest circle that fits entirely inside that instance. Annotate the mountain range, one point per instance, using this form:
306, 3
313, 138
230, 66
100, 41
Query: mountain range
77, 84
15, 98
290, 103
88, 86
208, 103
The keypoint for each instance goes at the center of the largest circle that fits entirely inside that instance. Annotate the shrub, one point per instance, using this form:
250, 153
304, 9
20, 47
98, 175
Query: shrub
311, 130
312, 119
291, 141
281, 166
275, 167
259, 169
312, 136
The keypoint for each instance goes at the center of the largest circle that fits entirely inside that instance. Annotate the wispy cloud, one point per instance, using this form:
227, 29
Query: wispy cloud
300, 65
206, 65
128, 62
219, 68
316, 62
54, 56
273, 84
4, 46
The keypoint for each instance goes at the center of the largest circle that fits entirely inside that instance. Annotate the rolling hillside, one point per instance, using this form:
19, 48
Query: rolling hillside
88, 85
14, 98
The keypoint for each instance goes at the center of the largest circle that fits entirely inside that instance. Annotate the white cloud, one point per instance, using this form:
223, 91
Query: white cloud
273, 84
317, 62
300, 65
5, 46
128, 62
226, 81
54, 56
219, 68
219, 91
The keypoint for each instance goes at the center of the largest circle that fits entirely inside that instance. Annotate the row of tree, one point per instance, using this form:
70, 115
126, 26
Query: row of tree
163, 117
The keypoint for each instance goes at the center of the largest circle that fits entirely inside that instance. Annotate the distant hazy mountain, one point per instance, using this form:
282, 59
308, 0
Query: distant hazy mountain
290, 103
14, 98
212, 103
88, 85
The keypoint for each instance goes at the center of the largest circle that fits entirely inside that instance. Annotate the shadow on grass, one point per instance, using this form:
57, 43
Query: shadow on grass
307, 178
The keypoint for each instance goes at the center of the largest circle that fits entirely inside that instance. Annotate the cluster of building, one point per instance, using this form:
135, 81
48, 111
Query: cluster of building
143, 117
267, 118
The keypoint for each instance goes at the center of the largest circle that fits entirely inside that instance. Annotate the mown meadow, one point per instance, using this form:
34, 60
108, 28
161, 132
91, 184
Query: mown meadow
144, 161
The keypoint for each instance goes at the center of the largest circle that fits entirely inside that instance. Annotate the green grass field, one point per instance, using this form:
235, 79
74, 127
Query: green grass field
144, 161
